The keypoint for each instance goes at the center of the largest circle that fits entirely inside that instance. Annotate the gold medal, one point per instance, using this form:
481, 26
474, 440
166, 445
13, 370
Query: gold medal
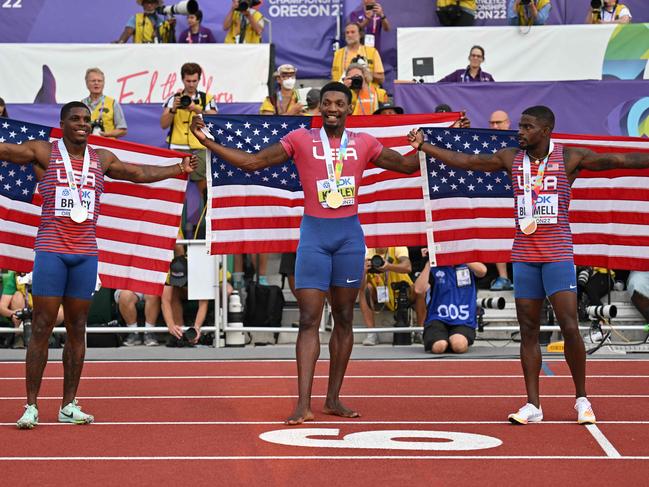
528, 225
334, 199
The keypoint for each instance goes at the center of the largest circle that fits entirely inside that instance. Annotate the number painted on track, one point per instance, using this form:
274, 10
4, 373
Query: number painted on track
382, 439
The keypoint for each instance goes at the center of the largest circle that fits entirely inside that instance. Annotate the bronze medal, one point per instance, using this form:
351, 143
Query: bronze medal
528, 225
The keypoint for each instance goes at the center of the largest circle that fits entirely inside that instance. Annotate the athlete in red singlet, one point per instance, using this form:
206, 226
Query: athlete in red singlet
65, 266
542, 173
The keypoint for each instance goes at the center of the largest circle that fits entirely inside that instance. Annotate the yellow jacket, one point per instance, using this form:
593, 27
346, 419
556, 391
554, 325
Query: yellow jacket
250, 37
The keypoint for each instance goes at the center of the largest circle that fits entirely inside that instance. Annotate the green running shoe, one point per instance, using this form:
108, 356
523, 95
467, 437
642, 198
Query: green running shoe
29, 419
72, 413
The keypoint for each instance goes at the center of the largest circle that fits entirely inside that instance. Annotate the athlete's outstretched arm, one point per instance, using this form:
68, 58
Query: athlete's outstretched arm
476, 162
37, 151
393, 161
270, 156
136, 173
594, 161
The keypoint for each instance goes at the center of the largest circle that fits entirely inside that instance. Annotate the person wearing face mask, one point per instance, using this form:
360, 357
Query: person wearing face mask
286, 100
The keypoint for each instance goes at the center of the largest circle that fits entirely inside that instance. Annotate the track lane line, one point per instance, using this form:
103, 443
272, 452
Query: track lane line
321, 457
350, 396
603, 441
362, 377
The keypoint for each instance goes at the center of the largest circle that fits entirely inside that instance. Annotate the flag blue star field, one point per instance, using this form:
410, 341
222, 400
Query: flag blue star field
260, 211
19, 182
472, 213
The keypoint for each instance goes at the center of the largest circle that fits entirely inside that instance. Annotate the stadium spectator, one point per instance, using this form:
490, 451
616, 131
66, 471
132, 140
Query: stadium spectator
285, 100
473, 72
372, 19
462, 123
532, 12
611, 12
355, 52
312, 102
149, 26
366, 97
638, 286
3, 109
456, 13
383, 266
244, 25
388, 108
107, 115
127, 302
451, 317
499, 120
177, 114
196, 33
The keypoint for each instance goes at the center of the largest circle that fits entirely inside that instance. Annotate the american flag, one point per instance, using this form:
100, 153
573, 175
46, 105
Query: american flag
261, 211
136, 230
472, 212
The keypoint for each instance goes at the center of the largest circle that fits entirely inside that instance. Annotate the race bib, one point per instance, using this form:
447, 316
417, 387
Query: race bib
546, 211
346, 187
63, 202
463, 276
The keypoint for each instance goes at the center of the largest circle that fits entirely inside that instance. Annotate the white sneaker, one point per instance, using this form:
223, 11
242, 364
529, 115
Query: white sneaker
371, 339
527, 414
72, 413
584, 410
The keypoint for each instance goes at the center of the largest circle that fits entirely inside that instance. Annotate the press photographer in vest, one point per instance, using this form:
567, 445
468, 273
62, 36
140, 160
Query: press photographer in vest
608, 12
528, 12
107, 117
366, 98
177, 115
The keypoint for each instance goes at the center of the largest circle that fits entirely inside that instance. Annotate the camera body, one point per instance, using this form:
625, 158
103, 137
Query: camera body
245, 5
97, 127
357, 83
186, 100
526, 2
402, 312
369, 6
23, 314
376, 262
596, 4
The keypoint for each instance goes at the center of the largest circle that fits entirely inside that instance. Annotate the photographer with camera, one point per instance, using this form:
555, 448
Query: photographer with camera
177, 115
528, 12
366, 98
355, 52
454, 13
244, 23
149, 26
451, 310
107, 115
372, 19
608, 12
383, 267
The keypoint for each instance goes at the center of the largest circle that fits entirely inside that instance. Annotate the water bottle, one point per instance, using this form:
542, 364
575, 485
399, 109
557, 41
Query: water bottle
235, 319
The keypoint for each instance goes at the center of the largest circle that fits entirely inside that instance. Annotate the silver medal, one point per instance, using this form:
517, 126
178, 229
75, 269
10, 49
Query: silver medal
79, 214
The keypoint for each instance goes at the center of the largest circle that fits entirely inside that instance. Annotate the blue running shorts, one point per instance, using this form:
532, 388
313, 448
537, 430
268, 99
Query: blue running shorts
331, 252
71, 275
536, 280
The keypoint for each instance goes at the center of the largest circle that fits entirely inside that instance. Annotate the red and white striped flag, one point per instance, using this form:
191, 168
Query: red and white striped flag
261, 211
137, 227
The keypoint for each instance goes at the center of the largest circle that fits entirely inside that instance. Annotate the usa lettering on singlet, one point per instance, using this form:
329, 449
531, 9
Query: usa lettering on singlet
552, 240
453, 293
305, 147
57, 232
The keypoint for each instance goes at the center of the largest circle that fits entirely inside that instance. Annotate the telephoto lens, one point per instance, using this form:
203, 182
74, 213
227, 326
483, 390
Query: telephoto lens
583, 276
604, 311
491, 303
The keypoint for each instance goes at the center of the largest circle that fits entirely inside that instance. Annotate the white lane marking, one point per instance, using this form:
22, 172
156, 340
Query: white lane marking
446, 362
319, 457
603, 441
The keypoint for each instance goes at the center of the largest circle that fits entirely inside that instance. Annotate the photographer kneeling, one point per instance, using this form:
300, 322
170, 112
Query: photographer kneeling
383, 267
451, 318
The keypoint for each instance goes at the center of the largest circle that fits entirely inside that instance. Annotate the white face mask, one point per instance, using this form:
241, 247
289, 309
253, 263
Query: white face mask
288, 83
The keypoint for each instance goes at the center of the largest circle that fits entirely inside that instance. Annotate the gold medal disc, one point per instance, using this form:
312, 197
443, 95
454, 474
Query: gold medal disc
528, 225
334, 200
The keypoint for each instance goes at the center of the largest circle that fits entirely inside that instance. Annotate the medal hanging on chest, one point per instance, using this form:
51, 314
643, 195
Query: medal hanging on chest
78, 213
528, 223
334, 198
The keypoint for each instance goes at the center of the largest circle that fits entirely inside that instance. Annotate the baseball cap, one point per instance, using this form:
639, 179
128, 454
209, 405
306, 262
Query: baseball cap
285, 68
178, 271
386, 106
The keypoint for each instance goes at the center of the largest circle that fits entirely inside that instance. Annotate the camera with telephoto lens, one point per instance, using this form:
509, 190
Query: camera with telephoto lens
187, 7
401, 313
97, 127
245, 5
603, 311
595, 4
23, 314
376, 262
491, 303
186, 100
583, 276
357, 82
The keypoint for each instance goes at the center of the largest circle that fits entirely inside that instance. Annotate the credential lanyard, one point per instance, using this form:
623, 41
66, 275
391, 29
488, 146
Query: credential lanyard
531, 193
76, 198
333, 173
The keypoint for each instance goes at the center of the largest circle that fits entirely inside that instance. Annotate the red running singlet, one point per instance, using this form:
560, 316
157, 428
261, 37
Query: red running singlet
57, 232
552, 241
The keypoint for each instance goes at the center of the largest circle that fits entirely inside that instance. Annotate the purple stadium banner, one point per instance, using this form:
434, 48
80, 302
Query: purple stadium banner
615, 107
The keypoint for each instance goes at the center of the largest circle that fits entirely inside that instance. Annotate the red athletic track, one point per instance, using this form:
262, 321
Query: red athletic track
408, 395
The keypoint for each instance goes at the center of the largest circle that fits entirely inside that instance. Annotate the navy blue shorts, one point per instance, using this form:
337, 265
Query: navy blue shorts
70, 275
536, 280
331, 252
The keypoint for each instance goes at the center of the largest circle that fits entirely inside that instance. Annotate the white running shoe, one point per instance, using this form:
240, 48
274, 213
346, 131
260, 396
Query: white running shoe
29, 419
72, 413
527, 414
585, 414
371, 339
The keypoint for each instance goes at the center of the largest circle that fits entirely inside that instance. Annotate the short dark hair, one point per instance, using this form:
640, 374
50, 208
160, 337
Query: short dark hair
198, 14
190, 68
3, 108
542, 113
480, 48
443, 108
336, 86
67, 108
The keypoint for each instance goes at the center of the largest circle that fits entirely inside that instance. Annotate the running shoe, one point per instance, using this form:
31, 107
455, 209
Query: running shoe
150, 340
501, 284
132, 340
72, 414
29, 419
371, 339
527, 414
585, 414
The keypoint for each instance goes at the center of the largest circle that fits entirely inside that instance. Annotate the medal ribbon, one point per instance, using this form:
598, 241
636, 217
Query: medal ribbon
531, 193
74, 189
333, 173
